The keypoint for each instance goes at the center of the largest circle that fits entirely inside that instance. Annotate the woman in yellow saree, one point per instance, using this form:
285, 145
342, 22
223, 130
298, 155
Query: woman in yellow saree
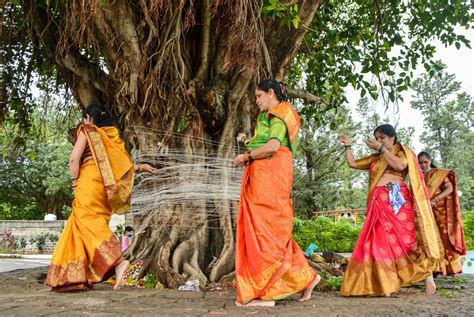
399, 244
442, 188
269, 265
102, 177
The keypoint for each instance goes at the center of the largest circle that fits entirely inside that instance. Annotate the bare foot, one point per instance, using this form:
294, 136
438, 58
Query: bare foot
257, 303
430, 286
120, 274
307, 292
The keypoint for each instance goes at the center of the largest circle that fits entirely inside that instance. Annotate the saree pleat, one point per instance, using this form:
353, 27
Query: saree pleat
269, 263
88, 251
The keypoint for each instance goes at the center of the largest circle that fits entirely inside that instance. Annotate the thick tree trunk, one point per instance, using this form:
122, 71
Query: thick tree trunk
187, 70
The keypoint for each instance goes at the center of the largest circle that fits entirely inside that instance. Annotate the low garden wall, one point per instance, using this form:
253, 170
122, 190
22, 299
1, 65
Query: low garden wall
29, 236
39, 236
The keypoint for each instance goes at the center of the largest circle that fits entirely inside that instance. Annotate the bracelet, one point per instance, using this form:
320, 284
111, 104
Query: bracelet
249, 155
74, 182
347, 145
382, 149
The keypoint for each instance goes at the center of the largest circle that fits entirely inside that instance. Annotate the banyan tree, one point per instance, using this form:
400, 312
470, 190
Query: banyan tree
179, 76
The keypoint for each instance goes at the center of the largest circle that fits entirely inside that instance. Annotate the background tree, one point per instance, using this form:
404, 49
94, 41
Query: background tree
448, 118
34, 174
322, 180
191, 67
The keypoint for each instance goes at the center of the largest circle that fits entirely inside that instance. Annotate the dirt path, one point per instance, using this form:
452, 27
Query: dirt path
22, 293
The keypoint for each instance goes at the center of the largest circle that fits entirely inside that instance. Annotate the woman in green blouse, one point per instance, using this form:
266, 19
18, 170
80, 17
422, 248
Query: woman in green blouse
269, 265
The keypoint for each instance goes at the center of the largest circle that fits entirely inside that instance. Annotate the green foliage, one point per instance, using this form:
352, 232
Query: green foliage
322, 179
149, 280
468, 223
41, 239
119, 231
448, 293
334, 283
374, 46
34, 174
275, 10
448, 119
326, 234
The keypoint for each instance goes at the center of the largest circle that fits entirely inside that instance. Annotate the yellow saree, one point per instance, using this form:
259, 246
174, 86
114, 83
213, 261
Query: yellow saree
88, 250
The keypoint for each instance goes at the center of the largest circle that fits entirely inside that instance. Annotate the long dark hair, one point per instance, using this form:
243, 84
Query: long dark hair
100, 116
425, 154
388, 130
278, 88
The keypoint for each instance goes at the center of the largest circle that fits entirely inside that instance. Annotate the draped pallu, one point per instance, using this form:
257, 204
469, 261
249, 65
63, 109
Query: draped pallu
394, 249
269, 264
447, 212
87, 250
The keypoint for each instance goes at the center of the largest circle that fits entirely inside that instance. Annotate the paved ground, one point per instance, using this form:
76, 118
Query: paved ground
22, 293
11, 264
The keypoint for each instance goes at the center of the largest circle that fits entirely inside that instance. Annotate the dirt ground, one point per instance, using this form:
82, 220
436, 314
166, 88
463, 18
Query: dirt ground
22, 293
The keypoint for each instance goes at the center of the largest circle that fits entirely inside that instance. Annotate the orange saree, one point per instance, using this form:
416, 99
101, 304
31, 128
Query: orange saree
394, 249
87, 249
269, 265
447, 212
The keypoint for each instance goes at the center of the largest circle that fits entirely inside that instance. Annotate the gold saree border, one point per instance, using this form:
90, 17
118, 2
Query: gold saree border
384, 277
76, 275
297, 281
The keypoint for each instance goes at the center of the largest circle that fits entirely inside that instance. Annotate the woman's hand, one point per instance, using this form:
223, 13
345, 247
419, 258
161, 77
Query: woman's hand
241, 137
146, 168
375, 145
344, 139
88, 119
239, 160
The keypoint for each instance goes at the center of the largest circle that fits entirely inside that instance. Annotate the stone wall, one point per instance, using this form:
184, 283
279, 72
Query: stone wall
29, 236
38, 236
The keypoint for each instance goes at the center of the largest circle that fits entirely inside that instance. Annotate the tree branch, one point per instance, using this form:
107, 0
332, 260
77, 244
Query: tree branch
73, 63
205, 39
305, 95
283, 43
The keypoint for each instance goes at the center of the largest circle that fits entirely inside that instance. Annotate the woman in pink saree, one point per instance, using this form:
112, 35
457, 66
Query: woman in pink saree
399, 243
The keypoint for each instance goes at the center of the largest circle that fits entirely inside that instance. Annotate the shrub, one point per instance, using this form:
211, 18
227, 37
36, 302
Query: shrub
327, 234
468, 222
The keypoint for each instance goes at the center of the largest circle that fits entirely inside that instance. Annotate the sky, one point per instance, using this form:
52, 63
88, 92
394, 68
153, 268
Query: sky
459, 62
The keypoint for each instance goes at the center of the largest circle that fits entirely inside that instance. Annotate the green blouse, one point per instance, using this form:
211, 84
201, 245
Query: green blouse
266, 130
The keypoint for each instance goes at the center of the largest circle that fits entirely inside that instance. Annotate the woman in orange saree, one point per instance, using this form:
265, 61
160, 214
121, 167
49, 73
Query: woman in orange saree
102, 177
269, 265
443, 194
399, 244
